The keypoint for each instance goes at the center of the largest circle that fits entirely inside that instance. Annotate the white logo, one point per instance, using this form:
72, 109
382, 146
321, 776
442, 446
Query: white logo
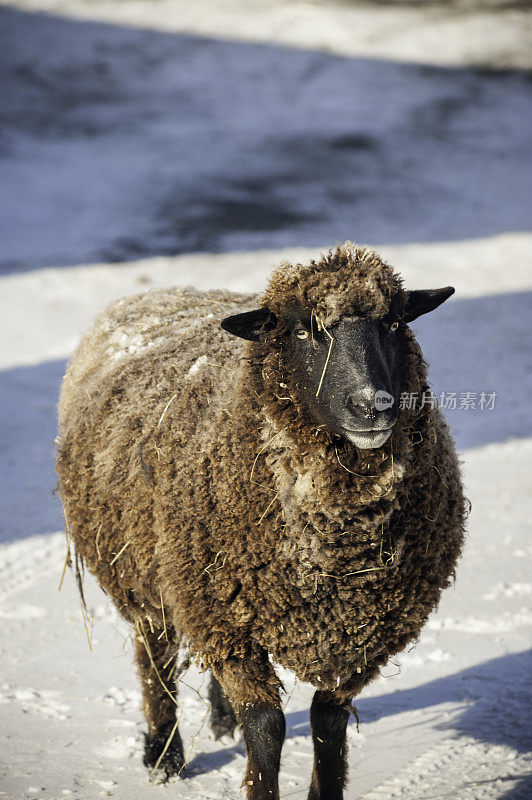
383, 400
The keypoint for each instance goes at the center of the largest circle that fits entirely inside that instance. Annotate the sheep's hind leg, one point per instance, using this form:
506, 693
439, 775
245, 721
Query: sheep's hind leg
253, 689
223, 719
163, 749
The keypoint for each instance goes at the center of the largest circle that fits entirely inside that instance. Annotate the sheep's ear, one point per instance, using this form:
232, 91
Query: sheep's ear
251, 324
421, 301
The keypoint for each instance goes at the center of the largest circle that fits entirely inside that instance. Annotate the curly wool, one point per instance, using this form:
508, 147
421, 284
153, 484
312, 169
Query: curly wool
347, 281
196, 486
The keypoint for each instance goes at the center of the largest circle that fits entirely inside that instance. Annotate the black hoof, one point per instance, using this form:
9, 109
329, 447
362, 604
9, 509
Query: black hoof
173, 761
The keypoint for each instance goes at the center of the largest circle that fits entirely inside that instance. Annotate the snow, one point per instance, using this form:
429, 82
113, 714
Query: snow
200, 145
124, 142
458, 32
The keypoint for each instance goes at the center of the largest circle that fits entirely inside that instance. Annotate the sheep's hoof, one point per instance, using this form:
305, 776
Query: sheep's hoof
171, 765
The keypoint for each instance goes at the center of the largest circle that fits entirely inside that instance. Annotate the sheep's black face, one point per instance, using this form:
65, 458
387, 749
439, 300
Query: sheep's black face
349, 375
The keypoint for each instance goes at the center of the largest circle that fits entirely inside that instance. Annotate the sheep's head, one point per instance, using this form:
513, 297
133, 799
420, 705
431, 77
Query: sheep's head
340, 329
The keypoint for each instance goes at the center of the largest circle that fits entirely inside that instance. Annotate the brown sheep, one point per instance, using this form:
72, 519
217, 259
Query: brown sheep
252, 502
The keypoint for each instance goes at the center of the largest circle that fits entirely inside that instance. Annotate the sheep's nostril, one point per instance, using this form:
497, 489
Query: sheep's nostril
367, 410
352, 405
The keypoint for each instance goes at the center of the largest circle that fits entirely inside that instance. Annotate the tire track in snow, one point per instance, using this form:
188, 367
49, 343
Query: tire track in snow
473, 768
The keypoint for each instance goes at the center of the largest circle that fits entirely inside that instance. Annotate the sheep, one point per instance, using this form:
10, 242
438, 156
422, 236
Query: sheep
242, 497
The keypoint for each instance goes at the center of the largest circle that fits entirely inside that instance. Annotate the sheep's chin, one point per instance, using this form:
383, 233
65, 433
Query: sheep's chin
368, 440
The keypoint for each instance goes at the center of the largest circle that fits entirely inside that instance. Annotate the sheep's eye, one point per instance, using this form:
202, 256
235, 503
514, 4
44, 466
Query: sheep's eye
394, 326
301, 333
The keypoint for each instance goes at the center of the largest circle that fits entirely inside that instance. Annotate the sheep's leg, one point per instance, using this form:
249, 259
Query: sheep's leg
223, 719
163, 749
253, 689
263, 728
329, 714
328, 719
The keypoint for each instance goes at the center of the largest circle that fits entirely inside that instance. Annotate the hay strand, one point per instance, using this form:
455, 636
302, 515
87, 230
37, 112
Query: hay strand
331, 342
348, 574
196, 736
261, 451
89, 635
143, 639
167, 406
222, 565
165, 748
117, 556
270, 504
67, 556
97, 542
164, 632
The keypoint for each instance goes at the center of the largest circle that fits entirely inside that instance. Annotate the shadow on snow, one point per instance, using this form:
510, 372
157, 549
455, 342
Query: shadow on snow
120, 143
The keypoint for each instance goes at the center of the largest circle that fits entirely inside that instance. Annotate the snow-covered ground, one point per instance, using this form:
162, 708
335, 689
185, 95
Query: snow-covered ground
120, 142
139, 130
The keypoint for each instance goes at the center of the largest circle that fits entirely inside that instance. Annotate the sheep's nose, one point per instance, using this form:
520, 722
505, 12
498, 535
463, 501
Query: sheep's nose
367, 410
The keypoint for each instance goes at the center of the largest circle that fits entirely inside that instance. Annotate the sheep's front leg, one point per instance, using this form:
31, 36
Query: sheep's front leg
329, 714
328, 719
263, 728
163, 749
253, 689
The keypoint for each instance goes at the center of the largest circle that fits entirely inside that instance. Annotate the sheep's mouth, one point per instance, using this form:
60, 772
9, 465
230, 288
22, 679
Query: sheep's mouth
368, 440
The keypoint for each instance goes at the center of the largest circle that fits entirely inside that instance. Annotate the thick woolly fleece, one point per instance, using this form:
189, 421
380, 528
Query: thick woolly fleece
196, 486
